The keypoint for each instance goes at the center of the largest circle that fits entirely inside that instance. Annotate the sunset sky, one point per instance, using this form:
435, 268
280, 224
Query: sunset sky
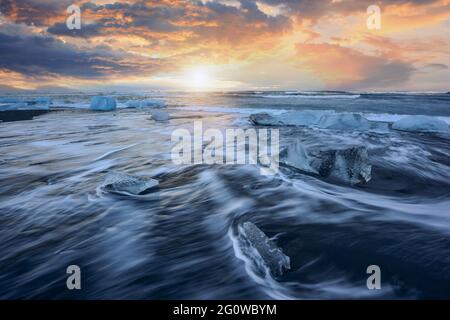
225, 45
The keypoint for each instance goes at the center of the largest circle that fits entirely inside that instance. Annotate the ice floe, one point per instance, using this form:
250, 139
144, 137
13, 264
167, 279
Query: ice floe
102, 103
322, 119
272, 256
125, 183
420, 123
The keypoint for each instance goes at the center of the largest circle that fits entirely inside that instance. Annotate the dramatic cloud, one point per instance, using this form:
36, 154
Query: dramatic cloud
293, 43
43, 56
345, 68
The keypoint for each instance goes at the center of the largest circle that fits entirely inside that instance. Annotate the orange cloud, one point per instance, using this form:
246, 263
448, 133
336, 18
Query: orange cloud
341, 67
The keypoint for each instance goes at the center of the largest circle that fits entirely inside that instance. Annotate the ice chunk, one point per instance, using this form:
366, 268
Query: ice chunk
263, 119
102, 103
42, 101
26, 103
294, 118
296, 156
153, 103
421, 124
272, 256
351, 121
22, 106
348, 165
344, 121
9, 100
159, 115
122, 182
7, 107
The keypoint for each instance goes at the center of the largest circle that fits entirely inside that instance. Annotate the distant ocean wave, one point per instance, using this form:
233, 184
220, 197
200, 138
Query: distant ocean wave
313, 96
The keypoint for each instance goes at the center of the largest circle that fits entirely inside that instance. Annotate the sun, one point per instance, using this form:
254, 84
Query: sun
199, 78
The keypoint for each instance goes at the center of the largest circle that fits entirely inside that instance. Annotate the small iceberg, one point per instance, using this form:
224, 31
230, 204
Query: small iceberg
147, 103
128, 184
102, 103
420, 123
349, 165
158, 115
271, 255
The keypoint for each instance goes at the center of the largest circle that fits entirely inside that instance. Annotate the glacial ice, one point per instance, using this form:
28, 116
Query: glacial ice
8, 107
102, 103
349, 165
122, 182
158, 115
14, 103
324, 119
264, 119
153, 103
303, 118
351, 121
296, 156
42, 101
344, 122
10, 100
420, 123
294, 118
272, 256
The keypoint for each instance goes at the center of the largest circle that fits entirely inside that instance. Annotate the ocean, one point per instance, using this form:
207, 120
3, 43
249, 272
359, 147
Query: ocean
183, 240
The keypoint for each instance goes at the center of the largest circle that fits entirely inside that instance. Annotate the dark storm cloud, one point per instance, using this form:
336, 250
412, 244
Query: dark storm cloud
386, 74
40, 56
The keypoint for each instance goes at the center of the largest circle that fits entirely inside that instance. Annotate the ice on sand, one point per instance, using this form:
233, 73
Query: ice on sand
158, 115
101, 103
349, 165
272, 256
296, 156
122, 182
420, 124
